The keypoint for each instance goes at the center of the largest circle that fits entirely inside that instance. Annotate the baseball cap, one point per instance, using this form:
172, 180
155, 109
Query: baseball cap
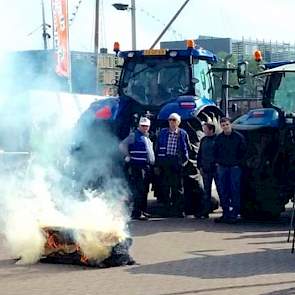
144, 121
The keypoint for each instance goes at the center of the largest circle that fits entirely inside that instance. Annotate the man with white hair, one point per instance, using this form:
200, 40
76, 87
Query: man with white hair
171, 156
138, 151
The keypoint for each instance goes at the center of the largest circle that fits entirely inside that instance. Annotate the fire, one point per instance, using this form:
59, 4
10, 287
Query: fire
59, 240
79, 246
84, 259
51, 241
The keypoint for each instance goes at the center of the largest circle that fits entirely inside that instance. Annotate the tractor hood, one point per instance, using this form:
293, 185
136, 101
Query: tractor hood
256, 119
188, 107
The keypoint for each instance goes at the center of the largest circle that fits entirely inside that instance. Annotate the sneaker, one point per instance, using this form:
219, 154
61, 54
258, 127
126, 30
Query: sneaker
147, 215
139, 217
142, 217
201, 216
188, 216
178, 215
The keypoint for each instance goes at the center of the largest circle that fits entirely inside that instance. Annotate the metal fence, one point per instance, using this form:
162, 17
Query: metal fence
240, 106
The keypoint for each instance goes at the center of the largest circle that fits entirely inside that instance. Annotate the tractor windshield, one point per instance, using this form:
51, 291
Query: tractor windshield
155, 80
281, 91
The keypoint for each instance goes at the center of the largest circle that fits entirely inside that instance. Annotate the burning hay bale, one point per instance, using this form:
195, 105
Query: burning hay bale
81, 247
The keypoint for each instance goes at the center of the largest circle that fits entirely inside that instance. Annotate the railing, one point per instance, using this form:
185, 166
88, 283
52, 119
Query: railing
239, 106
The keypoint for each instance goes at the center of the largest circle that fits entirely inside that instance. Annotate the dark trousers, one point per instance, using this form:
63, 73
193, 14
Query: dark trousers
207, 183
229, 182
139, 185
172, 191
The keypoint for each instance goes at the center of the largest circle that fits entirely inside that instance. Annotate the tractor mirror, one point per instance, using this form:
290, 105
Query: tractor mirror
242, 70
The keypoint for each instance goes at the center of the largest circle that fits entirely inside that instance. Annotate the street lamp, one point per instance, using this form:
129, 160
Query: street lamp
121, 6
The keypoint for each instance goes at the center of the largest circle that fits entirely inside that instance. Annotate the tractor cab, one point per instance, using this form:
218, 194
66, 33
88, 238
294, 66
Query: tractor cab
279, 90
155, 77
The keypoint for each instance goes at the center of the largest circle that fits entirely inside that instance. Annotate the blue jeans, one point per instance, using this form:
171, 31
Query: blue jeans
207, 183
229, 182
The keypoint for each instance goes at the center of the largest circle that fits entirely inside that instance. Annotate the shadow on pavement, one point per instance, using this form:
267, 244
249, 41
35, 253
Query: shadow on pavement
281, 234
156, 225
239, 265
289, 291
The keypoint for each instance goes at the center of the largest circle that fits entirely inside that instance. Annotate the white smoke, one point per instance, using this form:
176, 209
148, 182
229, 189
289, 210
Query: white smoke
38, 186
28, 206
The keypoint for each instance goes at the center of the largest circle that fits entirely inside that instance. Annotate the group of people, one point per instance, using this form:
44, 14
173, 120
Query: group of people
219, 157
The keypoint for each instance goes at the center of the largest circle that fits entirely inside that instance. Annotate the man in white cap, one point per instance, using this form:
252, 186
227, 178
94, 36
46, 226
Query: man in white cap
138, 151
171, 156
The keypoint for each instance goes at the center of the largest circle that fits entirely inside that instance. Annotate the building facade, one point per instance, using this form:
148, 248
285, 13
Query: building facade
271, 51
242, 49
107, 73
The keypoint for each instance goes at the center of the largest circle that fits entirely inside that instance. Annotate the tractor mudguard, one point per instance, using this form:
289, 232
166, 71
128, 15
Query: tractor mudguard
189, 107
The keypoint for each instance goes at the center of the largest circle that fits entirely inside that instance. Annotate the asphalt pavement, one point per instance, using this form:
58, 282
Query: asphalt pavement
174, 257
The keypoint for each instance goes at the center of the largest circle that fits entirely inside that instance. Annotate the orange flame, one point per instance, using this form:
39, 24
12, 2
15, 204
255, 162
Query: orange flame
52, 241
84, 259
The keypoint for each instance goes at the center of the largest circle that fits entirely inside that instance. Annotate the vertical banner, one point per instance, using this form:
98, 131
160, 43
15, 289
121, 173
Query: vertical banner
61, 37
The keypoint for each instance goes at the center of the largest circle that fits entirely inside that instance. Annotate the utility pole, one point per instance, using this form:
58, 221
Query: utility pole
133, 24
96, 43
44, 31
169, 24
96, 33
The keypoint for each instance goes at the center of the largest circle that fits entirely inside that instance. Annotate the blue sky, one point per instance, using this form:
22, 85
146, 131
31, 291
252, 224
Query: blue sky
264, 19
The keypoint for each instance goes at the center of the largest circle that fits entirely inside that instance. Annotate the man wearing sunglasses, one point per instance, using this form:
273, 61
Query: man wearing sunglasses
229, 150
171, 156
138, 151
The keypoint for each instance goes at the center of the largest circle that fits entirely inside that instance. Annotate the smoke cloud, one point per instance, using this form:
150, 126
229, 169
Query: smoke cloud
47, 162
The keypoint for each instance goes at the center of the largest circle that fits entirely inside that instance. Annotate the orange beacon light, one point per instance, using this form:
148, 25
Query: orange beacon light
257, 55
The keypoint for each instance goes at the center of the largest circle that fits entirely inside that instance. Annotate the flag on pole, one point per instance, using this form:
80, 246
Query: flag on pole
61, 37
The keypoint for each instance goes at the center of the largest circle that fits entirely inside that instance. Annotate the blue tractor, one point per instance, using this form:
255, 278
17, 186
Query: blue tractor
155, 83
269, 167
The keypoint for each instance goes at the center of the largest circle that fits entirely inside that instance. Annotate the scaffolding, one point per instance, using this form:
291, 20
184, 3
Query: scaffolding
272, 51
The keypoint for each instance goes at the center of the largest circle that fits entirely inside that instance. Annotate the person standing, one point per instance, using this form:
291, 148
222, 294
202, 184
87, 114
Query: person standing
138, 151
229, 150
207, 167
171, 156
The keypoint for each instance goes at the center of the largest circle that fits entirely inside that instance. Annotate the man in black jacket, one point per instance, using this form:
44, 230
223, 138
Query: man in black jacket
206, 165
229, 150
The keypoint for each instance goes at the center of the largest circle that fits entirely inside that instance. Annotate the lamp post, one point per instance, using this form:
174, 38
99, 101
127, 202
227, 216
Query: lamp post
121, 6
96, 34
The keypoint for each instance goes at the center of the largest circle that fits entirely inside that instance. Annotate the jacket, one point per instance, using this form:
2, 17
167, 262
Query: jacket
205, 157
229, 150
182, 146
